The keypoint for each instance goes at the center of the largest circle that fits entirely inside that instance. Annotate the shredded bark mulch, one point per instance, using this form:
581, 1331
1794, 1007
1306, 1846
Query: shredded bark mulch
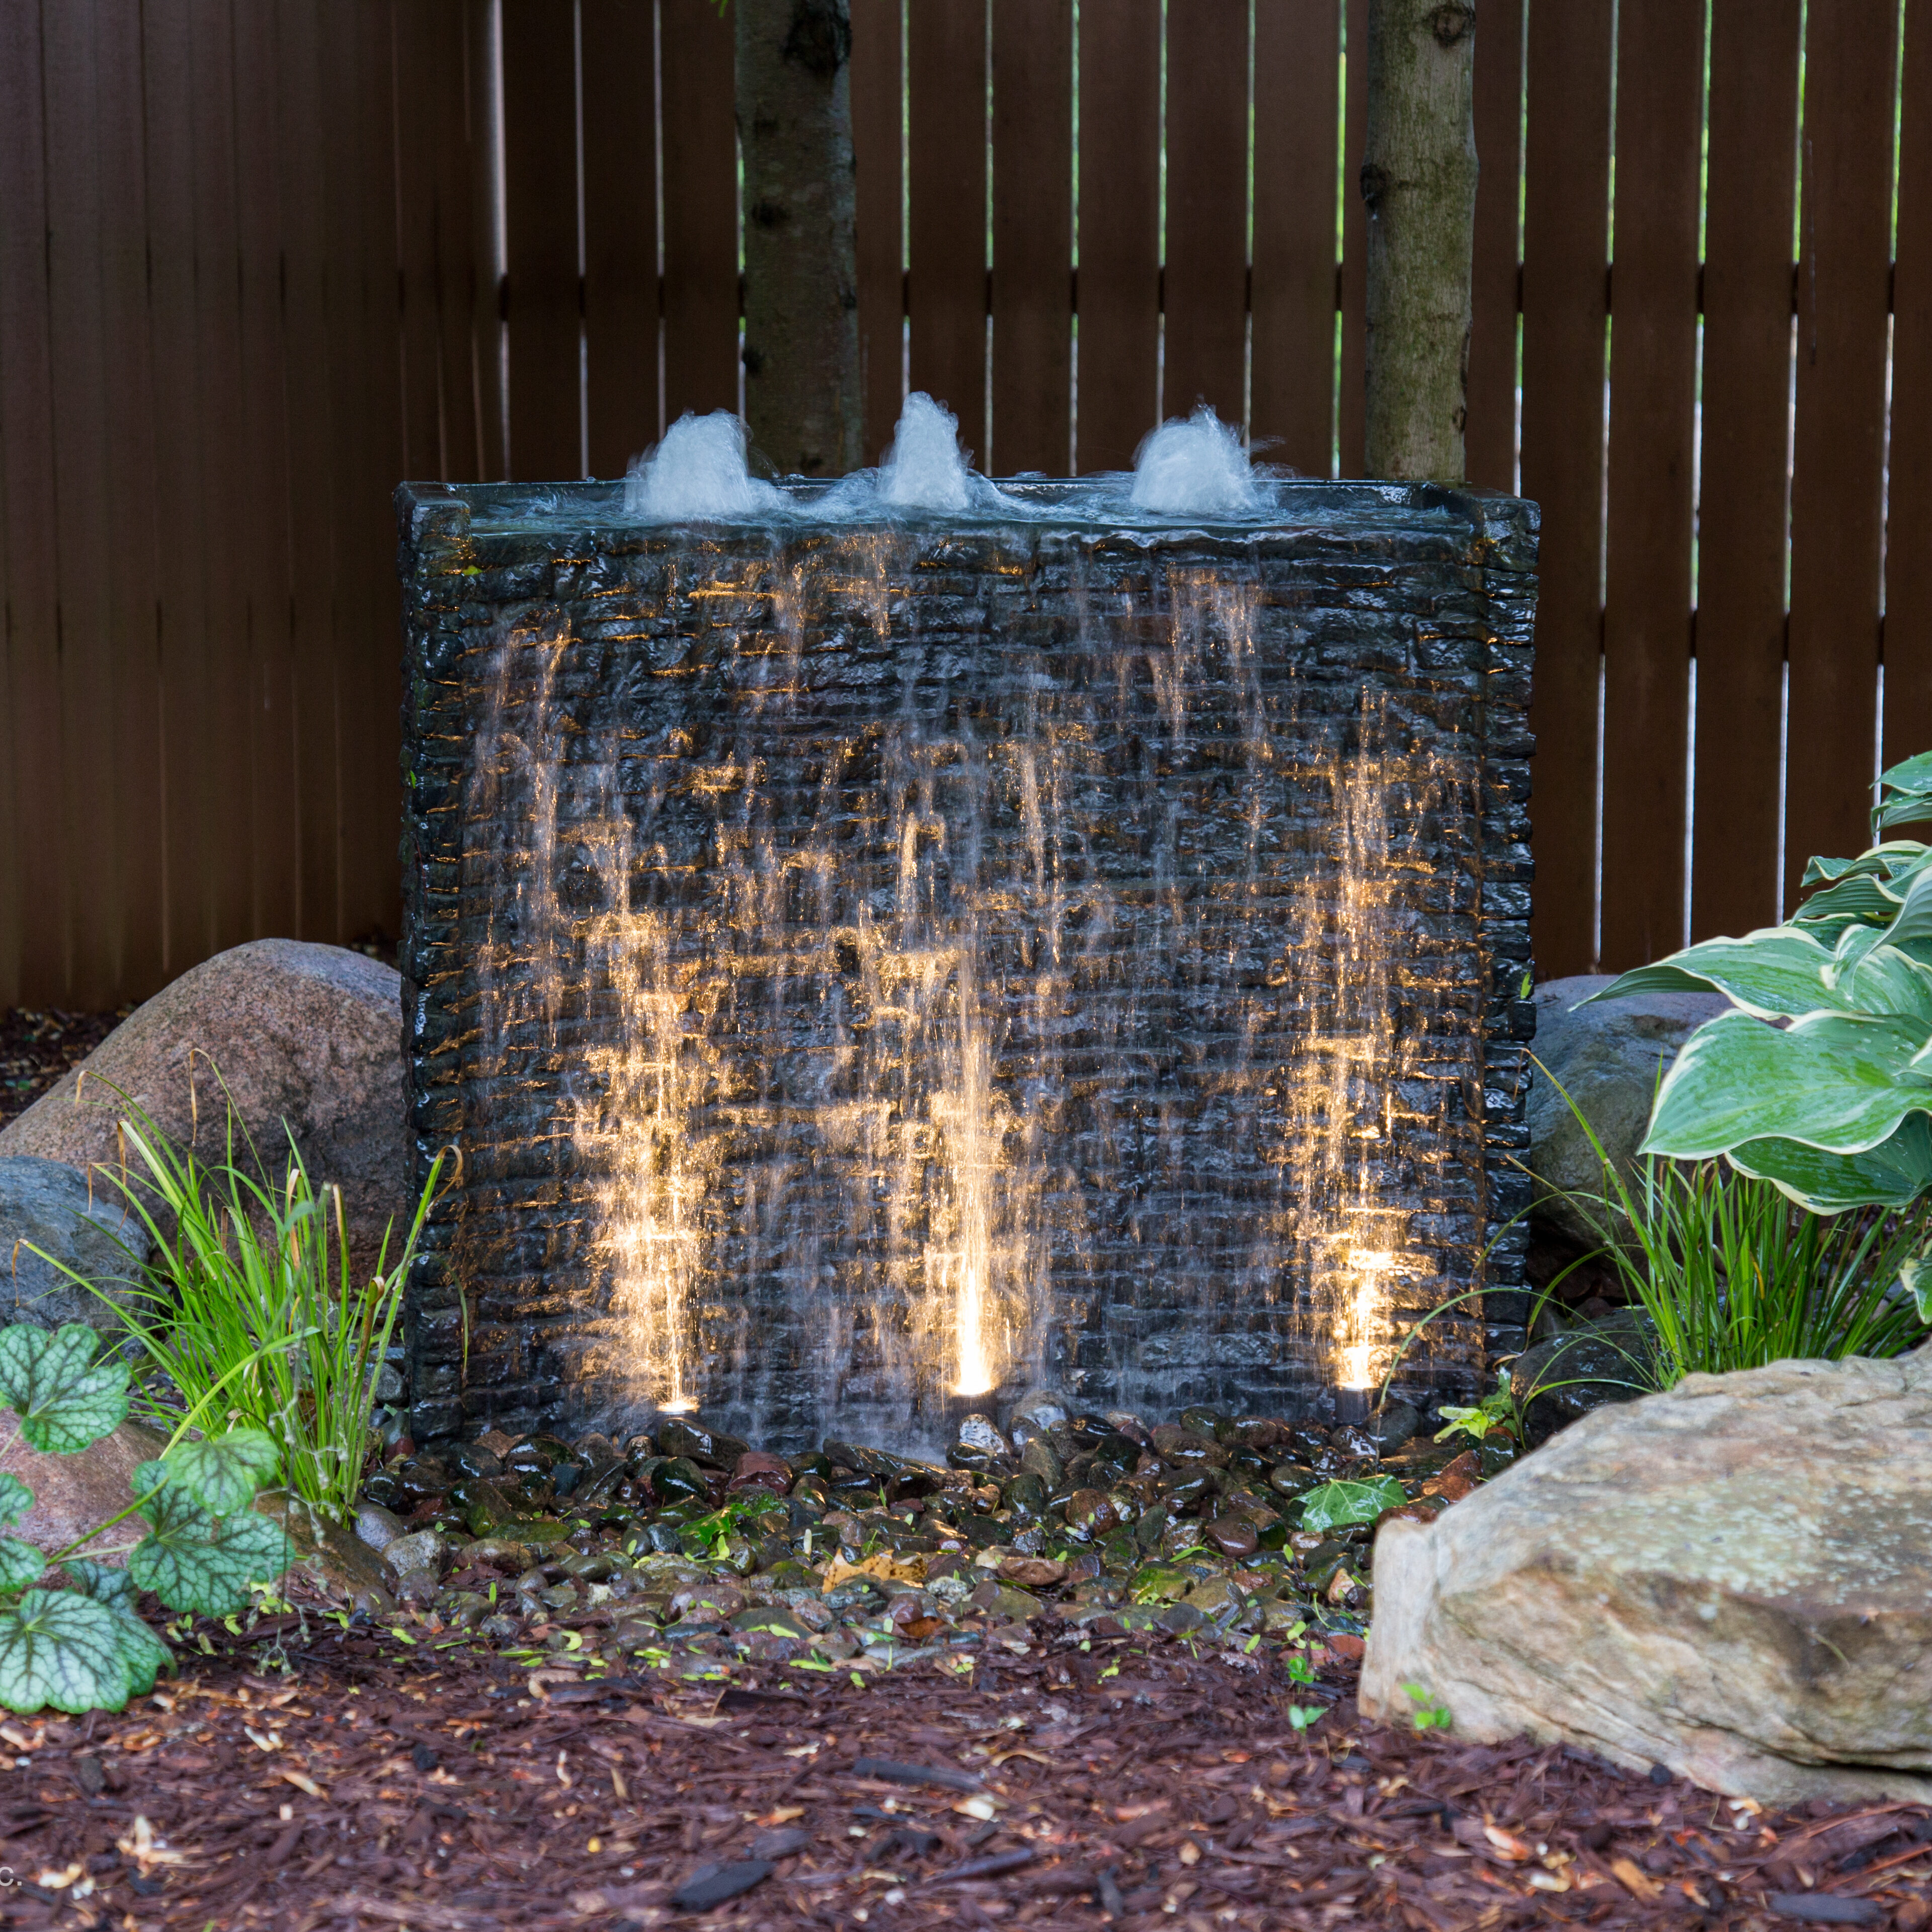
312, 1776
38, 1044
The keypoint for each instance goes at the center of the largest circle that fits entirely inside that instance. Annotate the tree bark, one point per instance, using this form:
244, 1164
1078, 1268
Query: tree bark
802, 398
1419, 183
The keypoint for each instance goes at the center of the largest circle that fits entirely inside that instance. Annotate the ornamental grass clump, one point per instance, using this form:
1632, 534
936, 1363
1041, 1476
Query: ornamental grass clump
248, 1313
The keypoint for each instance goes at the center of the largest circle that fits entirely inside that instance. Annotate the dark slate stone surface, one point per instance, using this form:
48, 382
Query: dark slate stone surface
802, 925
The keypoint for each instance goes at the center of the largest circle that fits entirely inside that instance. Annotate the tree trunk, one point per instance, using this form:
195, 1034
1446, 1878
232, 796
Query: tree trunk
1419, 182
802, 398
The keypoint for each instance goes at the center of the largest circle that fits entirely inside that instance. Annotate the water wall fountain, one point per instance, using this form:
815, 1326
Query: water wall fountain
872, 958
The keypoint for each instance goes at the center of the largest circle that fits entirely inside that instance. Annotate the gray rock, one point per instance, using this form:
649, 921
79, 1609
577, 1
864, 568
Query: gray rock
1392, 1425
388, 1384
1733, 1579
1037, 1412
425, 1550
333, 1559
1559, 1381
1038, 1459
378, 1527
418, 1587
46, 1205
977, 1432
308, 1034
1608, 1058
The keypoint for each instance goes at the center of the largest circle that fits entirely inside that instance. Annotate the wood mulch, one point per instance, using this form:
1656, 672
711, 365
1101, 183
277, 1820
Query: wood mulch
38, 1044
333, 1777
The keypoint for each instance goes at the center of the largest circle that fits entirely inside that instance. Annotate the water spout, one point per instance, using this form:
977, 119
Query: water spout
1195, 467
925, 468
697, 474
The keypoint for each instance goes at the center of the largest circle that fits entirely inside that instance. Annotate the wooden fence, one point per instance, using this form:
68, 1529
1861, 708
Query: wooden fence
261, 259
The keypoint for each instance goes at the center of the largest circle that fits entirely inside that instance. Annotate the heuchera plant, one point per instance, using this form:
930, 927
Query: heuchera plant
1833, 1103
85, 1648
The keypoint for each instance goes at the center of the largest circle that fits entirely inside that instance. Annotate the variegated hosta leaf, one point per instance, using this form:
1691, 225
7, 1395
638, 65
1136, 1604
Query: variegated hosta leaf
1915, 1278
1841, 1086
1905, 792
65, 1398
1775, 973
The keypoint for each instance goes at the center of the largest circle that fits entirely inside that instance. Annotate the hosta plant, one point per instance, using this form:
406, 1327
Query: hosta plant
1819, 1079
84, 1647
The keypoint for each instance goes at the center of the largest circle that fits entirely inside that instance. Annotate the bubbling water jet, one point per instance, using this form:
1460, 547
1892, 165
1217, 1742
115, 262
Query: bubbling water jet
925, 468
698, 474
1194, 466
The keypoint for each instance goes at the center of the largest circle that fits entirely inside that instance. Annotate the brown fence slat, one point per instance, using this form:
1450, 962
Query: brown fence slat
459, 276
876, 100
1291, 411
1119, 332
540, 166
1741, 526
701, 209
945, 179
1033, 235
37, 961
1205, 346
1490, 438
1839, 444
480, 59
261, 528
1653, 386
620, 235
1908, 566
1351, 394
1565, 242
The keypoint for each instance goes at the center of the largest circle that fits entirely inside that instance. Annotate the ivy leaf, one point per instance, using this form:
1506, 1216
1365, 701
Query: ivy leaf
109, 1586
65, 1398
1335, 1505
196, 1561
222, 1472
16, 1498
20, 1563
57, 1649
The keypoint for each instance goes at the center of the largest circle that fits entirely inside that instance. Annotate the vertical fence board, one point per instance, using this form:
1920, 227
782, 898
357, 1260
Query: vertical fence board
458, 266
36, 945
700, 210
877, 106
1291, 410
620, 233
1206, 298
540, 152
1565, 242
189, 752
1653, 387
261, 530
1490, 438
945, 171
1741, 512
486, 371
1033, 235
1839, 435
1351, 401
309, 503
1119, 336
1908, 566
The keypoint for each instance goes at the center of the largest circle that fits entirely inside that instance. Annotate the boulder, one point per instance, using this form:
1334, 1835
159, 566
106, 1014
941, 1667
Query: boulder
1608, 1058
1733, 1579
330, 1557
308, 1034
47, 1209
74, 1494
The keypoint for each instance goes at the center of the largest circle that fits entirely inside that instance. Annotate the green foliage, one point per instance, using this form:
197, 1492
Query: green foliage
1495, 1415
1305, 1717
64, 1399
1429, 1713
1833, 1106
1335, 1505
250, 1312
85, 1648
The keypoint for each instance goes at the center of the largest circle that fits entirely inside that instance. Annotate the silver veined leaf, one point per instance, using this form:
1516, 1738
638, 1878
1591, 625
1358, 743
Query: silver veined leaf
223, 1473
66, 1399
16, 1498
196, 1561
58, 1650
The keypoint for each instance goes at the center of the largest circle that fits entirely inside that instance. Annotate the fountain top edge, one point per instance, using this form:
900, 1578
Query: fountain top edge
1098, 504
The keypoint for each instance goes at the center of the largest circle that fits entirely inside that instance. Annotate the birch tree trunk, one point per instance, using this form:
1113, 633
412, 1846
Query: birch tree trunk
1419, 182
802, 398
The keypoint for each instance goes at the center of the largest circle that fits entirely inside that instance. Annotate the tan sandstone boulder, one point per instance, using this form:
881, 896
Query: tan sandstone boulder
1733, 1579
308, 1034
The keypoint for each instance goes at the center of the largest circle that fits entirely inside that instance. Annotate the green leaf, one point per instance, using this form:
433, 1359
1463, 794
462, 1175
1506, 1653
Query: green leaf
20, 1563
1892, 1174
1915, 1276
16, 1498
222, 1472
1335, 1505
1837, 1085
59, 1649
1776, 972
106, 1583
110, 1586
66, 1399
196, 1561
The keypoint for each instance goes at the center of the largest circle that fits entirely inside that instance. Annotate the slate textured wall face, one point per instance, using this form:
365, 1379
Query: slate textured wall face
855, 964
